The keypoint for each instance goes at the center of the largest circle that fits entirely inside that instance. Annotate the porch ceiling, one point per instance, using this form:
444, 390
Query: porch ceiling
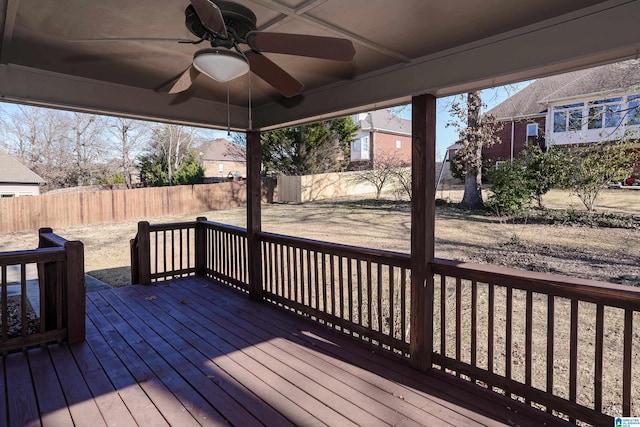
402, 49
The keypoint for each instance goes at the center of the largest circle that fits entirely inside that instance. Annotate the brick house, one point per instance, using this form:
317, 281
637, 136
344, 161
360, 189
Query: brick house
221, 161
381, 135
580, 107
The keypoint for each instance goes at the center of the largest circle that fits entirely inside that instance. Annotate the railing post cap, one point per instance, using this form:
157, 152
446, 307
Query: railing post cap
201, 219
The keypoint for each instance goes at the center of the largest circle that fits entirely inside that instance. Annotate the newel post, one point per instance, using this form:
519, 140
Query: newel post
254, 214
423, 165
75, 292
48, 284
201, 246
144, 253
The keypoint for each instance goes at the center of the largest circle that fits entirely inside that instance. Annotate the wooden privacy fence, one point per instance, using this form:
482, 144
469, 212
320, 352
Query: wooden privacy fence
60, 283
82, 208
565, 345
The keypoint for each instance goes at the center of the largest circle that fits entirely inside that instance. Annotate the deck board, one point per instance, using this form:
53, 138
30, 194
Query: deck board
191, 352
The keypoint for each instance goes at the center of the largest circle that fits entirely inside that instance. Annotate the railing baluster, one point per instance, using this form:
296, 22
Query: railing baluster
391, 302
23, 299
369, 297
359, 284
509, 332
458, 317
551, 321
597, 381
528, 346
403, 303
309, 279
341, 285
350, 288
5, 312
379, 280
324, 282
332, 277
443, 314
491, 299
626, 363
573, 351
317, 279
474, 322
173, 251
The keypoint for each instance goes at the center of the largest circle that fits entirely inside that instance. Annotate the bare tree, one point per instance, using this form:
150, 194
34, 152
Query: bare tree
87, 146
172, 143
39, 138
386, 171
479, 132
127, 136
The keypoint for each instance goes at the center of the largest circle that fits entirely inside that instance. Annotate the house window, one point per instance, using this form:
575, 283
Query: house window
356, 145
220, 167
633, 114
605, 113
364, 143
532, 129
398, 144
567, 117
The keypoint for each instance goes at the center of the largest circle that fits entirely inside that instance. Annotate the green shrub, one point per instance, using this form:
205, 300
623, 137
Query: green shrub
511, 190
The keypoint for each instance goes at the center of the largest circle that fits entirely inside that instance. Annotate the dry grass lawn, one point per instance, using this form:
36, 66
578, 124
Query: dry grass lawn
597, 253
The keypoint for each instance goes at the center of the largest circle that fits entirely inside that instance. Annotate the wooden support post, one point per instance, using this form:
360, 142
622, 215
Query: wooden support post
423, 160
75, 292
201, 246
254, 216
144, 253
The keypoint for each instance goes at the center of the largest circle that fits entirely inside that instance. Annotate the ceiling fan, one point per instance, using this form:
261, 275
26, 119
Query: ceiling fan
227, 25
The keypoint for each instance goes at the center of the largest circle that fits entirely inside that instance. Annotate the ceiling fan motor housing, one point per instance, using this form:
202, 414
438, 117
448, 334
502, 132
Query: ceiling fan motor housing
238, 19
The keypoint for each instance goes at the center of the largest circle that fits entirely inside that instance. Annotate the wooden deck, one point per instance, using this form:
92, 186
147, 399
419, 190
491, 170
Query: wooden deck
191, 352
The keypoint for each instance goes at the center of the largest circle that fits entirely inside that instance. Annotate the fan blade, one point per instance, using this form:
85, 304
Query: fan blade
185, 80
131, 39
271, 73
302, 45
210, 16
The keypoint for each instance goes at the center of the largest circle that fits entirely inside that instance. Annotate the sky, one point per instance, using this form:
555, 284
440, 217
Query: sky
445, 135
448, 135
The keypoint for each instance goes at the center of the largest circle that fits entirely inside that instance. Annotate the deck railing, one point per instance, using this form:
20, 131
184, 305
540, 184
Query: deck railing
562, 344
59, 293
363, 292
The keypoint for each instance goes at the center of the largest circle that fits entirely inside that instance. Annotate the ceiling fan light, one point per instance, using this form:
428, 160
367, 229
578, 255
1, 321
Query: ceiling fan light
221, 65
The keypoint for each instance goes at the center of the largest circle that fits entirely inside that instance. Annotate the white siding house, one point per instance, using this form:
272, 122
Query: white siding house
16, 179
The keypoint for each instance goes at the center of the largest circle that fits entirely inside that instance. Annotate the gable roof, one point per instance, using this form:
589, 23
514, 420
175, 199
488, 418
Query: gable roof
532, 100
220, 149
384, 121
14, 172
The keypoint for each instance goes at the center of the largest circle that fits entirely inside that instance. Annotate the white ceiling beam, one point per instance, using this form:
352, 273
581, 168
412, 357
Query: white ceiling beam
581, 39
47, 89
300, 15
7, 29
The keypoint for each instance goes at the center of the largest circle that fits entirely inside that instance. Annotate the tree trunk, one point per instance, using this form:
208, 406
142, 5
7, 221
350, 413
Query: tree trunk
472, 198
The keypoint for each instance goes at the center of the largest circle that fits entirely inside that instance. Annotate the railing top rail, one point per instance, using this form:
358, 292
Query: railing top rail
32, 256
225, 227
564, 286
51, 239
398, 259
172, 226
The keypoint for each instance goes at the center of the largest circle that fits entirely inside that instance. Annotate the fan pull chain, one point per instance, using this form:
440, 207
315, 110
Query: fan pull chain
228, 113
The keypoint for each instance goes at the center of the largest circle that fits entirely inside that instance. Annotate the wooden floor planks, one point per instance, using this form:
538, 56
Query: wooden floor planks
190, 352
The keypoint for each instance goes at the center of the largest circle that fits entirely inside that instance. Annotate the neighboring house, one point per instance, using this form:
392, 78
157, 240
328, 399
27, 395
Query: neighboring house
581, 107
222, 160
16, 179
381, 135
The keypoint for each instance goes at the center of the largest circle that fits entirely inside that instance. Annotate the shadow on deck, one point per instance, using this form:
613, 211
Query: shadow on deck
188, 352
